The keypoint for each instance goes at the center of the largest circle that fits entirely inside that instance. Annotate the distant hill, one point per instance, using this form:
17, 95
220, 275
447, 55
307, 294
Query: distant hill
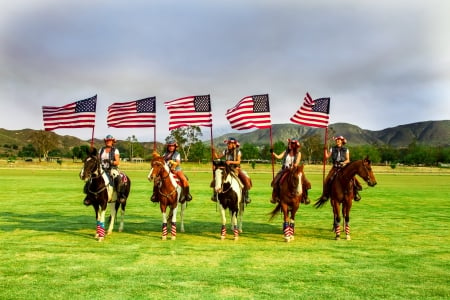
432, 133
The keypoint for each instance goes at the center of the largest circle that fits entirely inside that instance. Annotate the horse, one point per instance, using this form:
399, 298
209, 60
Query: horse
99, 193
342, 192
229, 192
168, 195
291, 193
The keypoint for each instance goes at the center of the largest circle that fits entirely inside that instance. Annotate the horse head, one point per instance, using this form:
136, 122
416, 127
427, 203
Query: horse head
294, 179
158, 166
366, 172
91, 165
221, 171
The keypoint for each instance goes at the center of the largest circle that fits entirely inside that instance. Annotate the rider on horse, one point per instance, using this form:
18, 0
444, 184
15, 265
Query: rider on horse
291, 158
233, 158
109, 159
173, 159
340, 156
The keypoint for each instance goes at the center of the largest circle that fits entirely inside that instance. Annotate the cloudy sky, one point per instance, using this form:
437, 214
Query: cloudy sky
383, 63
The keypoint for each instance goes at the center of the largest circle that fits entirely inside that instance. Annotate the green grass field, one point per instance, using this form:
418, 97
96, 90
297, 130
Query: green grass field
399, 248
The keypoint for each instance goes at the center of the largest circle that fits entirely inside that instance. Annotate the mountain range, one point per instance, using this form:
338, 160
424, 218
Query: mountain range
431, 133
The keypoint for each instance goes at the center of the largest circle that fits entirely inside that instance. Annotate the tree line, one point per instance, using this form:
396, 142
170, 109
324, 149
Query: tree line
192, 148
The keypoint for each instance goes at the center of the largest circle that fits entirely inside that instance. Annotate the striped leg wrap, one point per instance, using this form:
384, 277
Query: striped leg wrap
337, 229
164, 229
224, 230
173, 230
236, 231
292, 226
100, 229
347, 229
286, 229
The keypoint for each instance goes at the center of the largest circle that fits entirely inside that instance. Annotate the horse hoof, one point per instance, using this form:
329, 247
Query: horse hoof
287, 238
337, 238
222, 237
240, 231
236, 238
348, 237
173, 238
120, 230
164, 238
100, 239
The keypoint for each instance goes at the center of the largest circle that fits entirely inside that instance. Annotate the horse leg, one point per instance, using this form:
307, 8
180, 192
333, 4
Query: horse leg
240, 216
122, 214
112, 219
234, 222
101, 225
346, 214
337, 220
292, 220
173, 226
223, 232
183, 207
164, 222
286, 227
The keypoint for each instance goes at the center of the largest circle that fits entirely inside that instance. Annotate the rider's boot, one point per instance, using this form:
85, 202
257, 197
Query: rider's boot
214, 197
187, 195
356, 196
305, 200
275, 198
153, 197
246, 199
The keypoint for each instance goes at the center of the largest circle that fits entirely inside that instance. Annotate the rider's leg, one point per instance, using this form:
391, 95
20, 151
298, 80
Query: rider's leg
155, 191
186, 195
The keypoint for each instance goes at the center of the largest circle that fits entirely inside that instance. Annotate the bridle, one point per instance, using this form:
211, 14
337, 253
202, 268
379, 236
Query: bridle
224, 176
160, 174
98, 172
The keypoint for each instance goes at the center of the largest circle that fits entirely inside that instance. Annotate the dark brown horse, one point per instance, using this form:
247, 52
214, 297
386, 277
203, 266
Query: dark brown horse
290, 187
168, 195
228, 188
342, 192
99, 193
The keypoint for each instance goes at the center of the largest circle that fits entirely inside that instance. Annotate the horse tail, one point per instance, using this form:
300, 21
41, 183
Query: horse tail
275, 211
319, 203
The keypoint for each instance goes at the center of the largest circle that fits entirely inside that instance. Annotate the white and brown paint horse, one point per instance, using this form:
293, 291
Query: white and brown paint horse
168, 192
228, 189
99, 193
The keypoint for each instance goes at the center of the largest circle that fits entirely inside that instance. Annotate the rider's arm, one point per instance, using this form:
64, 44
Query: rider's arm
299, 158
347, 157
279, 156
237, 161
116, 159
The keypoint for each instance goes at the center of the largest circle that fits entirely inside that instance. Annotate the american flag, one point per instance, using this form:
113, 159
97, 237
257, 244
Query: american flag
250, 112
78, 114
132, 114
313, 113
189, 111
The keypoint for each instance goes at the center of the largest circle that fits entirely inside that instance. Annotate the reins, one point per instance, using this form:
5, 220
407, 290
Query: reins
164, 178
91, 177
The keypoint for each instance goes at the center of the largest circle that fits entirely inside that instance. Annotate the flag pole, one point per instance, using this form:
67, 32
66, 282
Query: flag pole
92, 137
325, 152
212, 151
154, 139
271, 156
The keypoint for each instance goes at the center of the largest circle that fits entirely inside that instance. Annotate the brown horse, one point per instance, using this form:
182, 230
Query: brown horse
342, 192
290, 197
168, 195
99, 193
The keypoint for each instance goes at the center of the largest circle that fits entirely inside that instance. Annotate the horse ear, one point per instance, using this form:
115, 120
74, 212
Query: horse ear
155, 154
367, 158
